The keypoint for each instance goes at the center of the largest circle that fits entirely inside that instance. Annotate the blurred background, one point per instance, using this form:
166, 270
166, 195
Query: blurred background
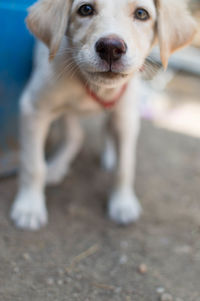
81, 255
16, 46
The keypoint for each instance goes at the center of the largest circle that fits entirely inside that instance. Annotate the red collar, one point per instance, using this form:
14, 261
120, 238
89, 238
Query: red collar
107, 104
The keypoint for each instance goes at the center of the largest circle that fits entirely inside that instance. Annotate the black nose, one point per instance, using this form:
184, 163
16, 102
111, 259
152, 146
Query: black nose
111, 48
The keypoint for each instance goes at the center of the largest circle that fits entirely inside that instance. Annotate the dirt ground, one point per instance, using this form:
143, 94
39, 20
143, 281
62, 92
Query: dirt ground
83, 256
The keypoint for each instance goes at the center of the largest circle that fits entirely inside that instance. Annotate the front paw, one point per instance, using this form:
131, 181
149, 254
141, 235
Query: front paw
29, 210
123, 207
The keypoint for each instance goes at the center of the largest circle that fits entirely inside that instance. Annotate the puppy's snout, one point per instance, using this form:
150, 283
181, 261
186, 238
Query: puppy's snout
111, 48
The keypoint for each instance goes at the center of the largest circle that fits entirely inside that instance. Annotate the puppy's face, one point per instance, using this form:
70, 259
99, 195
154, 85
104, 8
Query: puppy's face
111, 39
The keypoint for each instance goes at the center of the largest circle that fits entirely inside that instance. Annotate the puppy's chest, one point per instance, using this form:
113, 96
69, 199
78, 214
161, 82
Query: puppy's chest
84, 103
77, 100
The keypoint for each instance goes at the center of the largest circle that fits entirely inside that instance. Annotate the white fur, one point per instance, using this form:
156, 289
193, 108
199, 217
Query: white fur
123, 206
29, 210
59, 166
57, 89
109, 158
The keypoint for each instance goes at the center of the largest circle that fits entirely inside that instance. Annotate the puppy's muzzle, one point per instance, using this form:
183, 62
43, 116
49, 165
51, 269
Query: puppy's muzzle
111, 49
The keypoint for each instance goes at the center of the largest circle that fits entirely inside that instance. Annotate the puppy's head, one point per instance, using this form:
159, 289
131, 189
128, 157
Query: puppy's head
109, 40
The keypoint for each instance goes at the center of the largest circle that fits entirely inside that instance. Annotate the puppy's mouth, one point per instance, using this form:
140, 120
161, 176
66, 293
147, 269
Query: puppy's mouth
109, 75
108, 79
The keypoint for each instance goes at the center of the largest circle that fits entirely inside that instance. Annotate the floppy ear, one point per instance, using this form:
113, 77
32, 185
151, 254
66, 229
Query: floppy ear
176, 28
47, 20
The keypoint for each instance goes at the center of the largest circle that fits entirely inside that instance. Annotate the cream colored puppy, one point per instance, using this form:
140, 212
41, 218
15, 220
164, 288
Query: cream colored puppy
89, 61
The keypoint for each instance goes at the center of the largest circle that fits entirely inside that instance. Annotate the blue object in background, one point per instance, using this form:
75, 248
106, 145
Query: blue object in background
16, 46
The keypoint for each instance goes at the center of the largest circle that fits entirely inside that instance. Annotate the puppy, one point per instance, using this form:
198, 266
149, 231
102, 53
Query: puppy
89, 61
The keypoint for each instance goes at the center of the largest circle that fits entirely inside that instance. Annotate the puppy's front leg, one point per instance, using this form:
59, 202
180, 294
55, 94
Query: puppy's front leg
29, 209
60, 163
123, 205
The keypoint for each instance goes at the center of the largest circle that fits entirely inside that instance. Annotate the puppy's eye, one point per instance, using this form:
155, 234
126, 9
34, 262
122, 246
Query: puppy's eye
141, 14
86, 10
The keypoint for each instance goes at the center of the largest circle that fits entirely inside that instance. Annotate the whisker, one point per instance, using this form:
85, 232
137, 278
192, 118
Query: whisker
65, 69
71, 67
151, 68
